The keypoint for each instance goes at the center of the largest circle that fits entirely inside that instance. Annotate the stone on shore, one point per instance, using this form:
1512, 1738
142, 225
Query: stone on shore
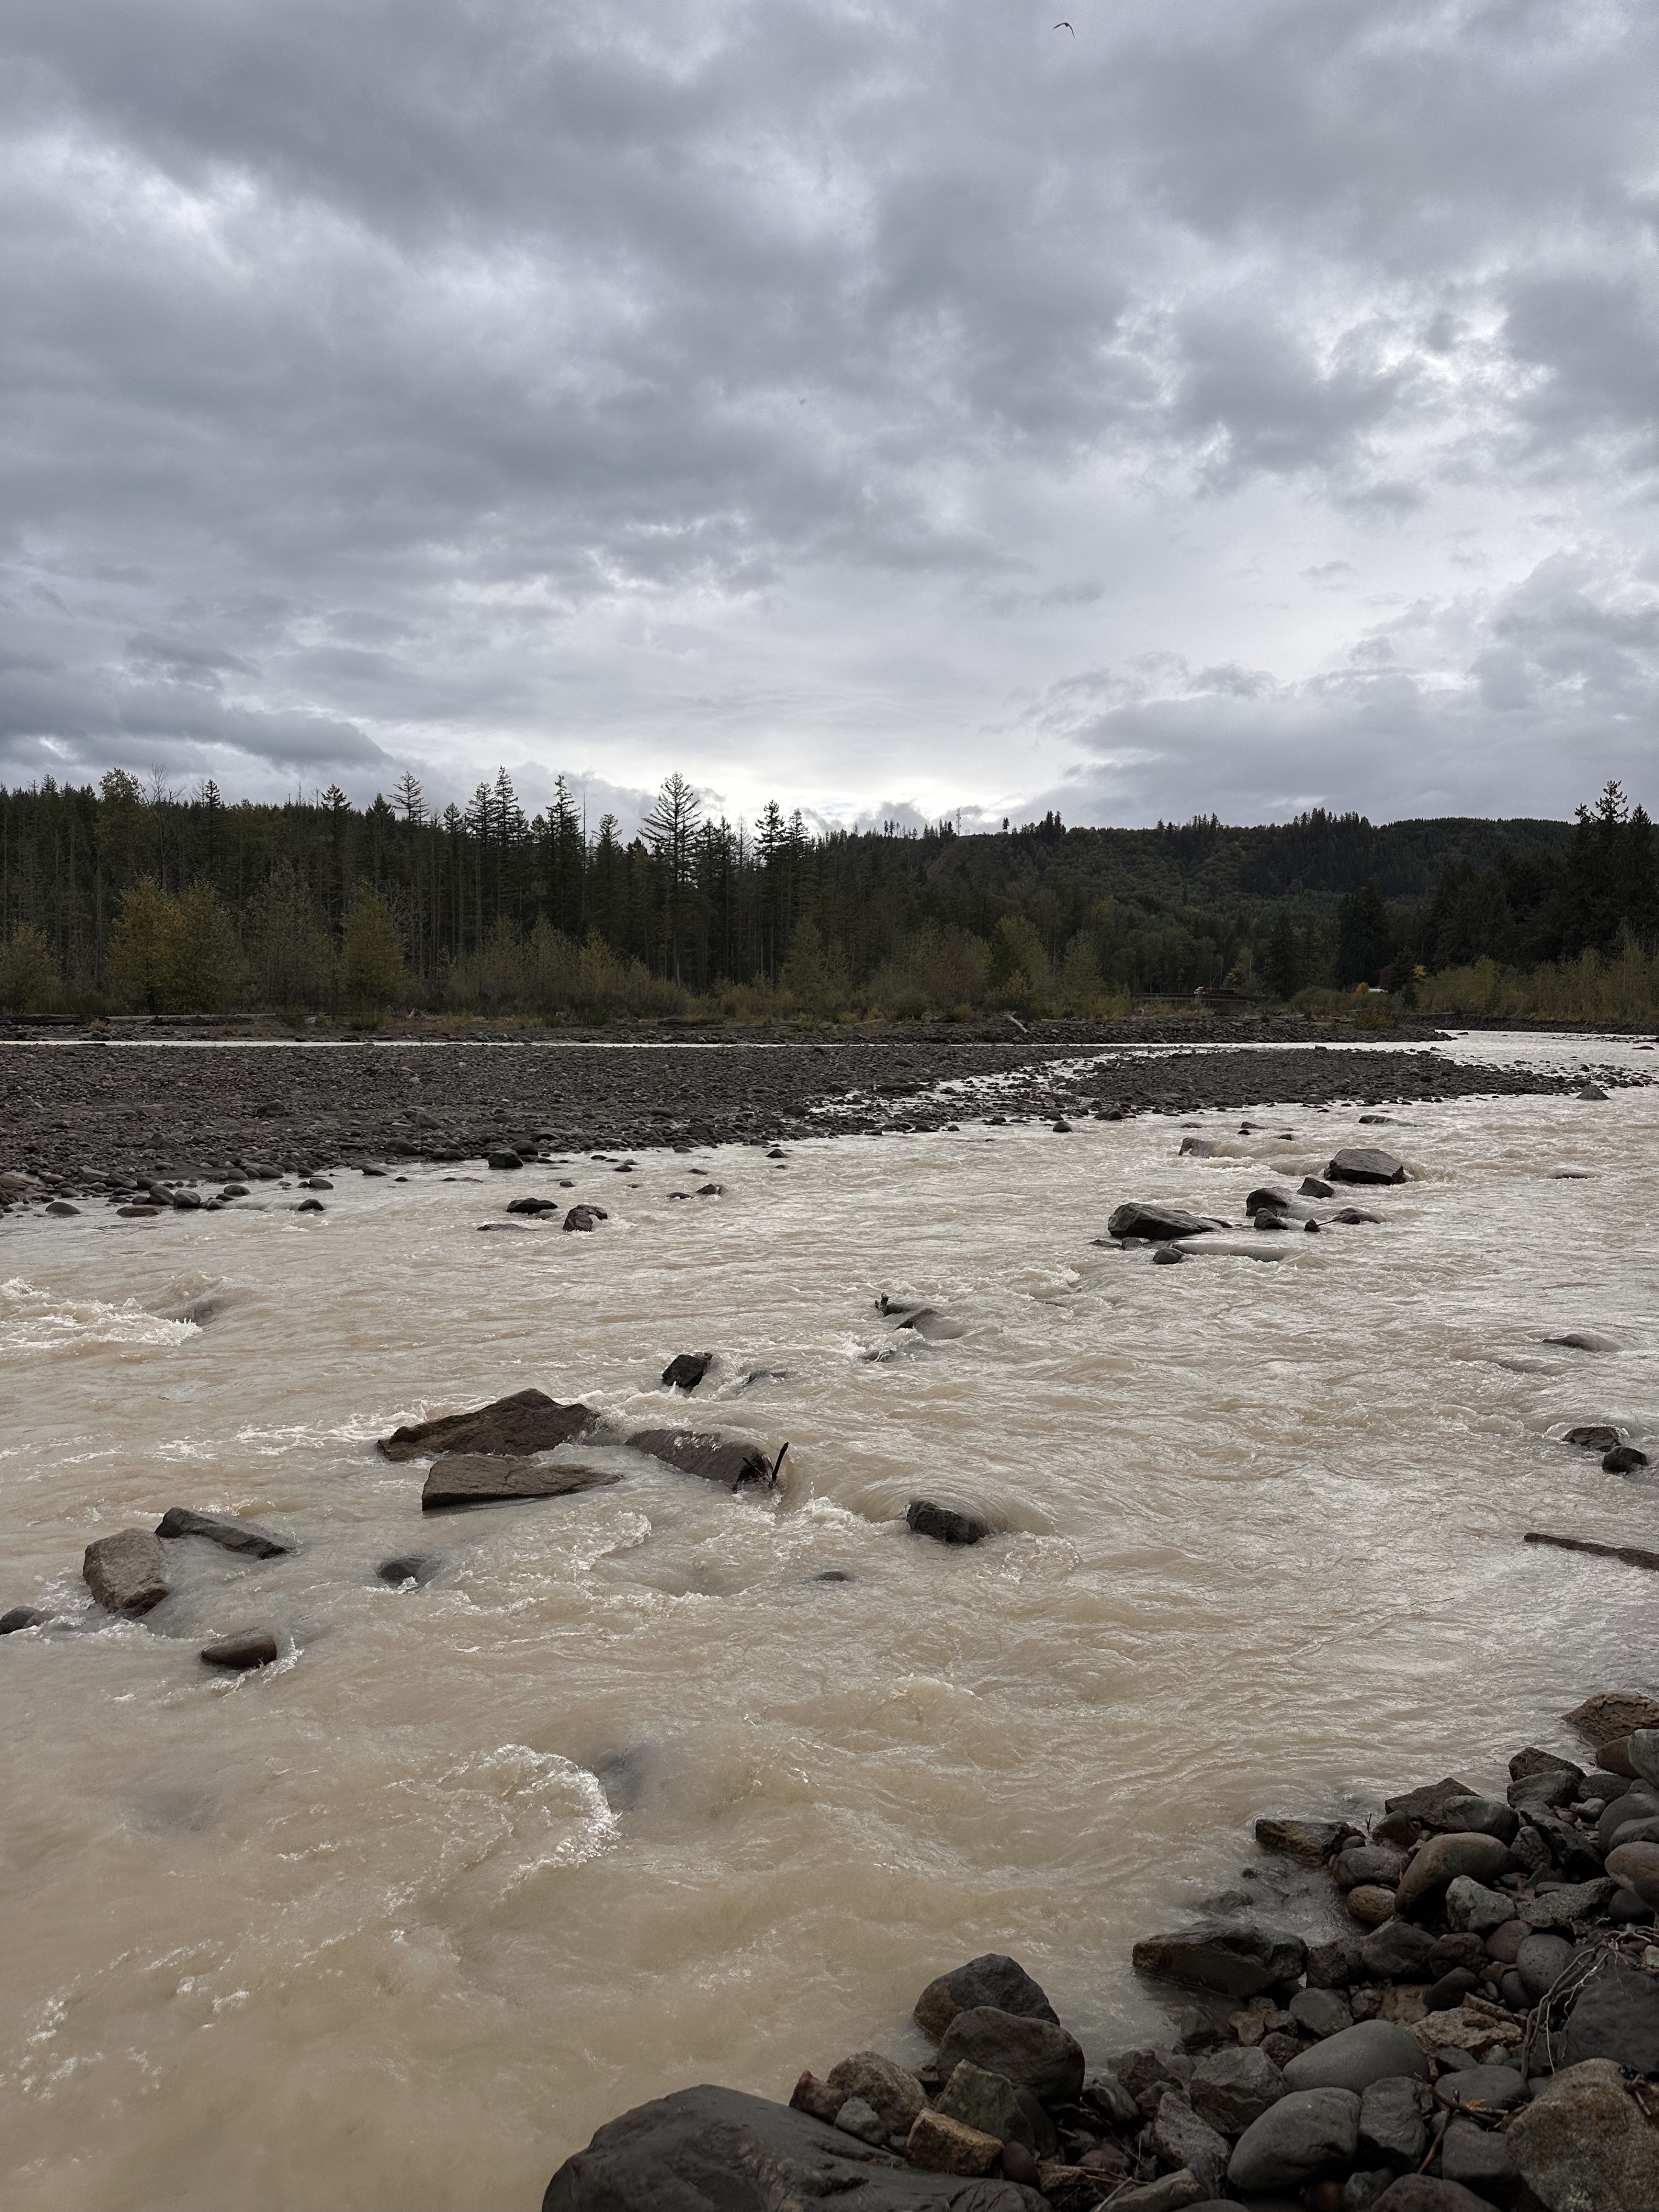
715, 1459
1233, 2087
485, 1479
1555, 1908
927, 1517
528, 1421
1392, 2127
1616, 2016
1365, 1164
1472, 1908
1583, 2144
939, 2144
1184, 2139
706, 2148
1612, 1713
1306, 2134
255, 1647
891, 2090
1637, 1865
1443, 1857
1038, 2055
1354, 2057
1171, 2192
1422, 2192
993, 1979
1236, 1961
224, 1530
1156, 1223
1396, 1952
988, 2102
127, 1572
1371, 1903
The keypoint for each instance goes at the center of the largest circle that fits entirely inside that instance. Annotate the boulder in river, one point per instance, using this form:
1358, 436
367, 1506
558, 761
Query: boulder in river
1622, 1458
1311, 1841
224, 1530
504, 1156
586, 1217
529, 1421
944, 1523
126, 1572
1038, 2055
1156, 1223
687, 1370
994, 1979
1593, 1436
715, 1459
490, 1478
1236, 1959
1365, 1164
19, 1617
1311, 1187
416, 1567
705, 2147
254, 1647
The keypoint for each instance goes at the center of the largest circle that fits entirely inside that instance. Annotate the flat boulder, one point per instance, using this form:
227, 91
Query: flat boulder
529, 1421
1365, 1164
1584, 2145
238, 1655
224, 1530
1033, 2054
714, 1459
925, 1516
1237, 1960
993, 1979
1612, 1713
1158, 1222
126, 1572
719, 2150
489, 1479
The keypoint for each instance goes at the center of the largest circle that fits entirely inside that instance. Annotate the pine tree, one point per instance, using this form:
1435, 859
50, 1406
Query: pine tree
372, 970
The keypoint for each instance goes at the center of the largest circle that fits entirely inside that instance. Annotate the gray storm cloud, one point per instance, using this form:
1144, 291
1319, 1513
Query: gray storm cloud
1235, 407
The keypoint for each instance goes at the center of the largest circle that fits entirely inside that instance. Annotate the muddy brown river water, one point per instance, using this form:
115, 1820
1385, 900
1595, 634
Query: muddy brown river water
627, 1796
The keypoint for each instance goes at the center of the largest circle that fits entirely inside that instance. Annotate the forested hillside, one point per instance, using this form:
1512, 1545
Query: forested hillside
123, 896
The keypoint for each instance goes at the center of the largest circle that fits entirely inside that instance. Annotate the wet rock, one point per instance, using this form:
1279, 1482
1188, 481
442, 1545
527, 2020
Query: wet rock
528, 1421
938, 2144
1168, 1255
461, 1478
1612, 1713
733, 1465
1033, 2054
812, 2096
1396, 1952
1471, 1908
417, 1567
1185, 2140
1480, 1816
1382, 1863
1365, 1164
19, 1617
310, 1206
1392, 2127
1356, 2057
255, 1647
1592, 1090
987, 2102
1584, 2145
891, 2090
1545, 1791
943, 1524
138, 1212
1332, 1966
1197, 1148
1311, 1187
1105, 2096
1307, 2133
1443, 1859
61, 1207
1594, 1436
1616, 2016
533, 1205
1424, 1805
225, 1530
585, 1216
1320, 2013
1158, 1222
1238, 1961
503, 1157
1642, 1750
1623, 1459
1370, 1904
1311, 1841
1448, 1992
1640, 1804
706, 2148
993, 1979
861, 2120
127, 1572
1533, 1761
687, 1370
1233, 2087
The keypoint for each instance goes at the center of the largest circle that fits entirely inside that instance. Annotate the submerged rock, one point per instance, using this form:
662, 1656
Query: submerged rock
19, 1617
1158, 1222
944, 1523
239, 1654
715, 1459
417, 1567
1623, 1459
127, 1572
224, 1530
1238, 1961
1593, 1436
489, 1479
529, 1421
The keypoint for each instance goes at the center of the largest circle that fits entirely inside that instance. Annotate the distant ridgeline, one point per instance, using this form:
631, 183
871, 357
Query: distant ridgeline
127, 895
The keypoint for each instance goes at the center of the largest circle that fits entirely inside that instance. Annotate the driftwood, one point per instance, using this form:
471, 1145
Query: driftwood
1632, 1554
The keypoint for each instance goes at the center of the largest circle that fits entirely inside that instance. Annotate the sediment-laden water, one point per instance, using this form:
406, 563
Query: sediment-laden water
627, 1796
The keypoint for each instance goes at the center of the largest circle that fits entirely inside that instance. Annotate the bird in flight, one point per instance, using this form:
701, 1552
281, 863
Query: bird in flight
1064, 27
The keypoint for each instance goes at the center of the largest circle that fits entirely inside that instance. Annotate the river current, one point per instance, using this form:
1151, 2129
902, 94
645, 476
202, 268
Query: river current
628, 1796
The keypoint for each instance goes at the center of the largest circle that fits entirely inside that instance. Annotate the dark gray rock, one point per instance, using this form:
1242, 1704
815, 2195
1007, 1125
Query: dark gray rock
1480, 1816
1555, 1908
529, 1421
1532, 1762
892, 2091
1449, 1991
1392, 2127
1158, 1222
1488, 2089
1592, 1436
1334, 1966
1233, 2087
20, 1617
1623, 1459
1616, 2016
1147, 2075
223, 1530
1368, 1863
1478, 2158
1365, 1164
1236, 1960
714, 1459
503, 1158
1445, 1857
993, 1979
1584, 2145
1541, 1960
1396, 1952
254, 1647
1306, 2134
417, 1567
1033, 2054
1356, 2057
127, 1572
1311, 1187
1320, 2013
718, 2150
1545, 1792
944, 1523
687, 1370
461, 1478
1182, 2139
1639, 1803
1311, 1841
1104, 2096
1422, 2192
585, 1216
988, 2102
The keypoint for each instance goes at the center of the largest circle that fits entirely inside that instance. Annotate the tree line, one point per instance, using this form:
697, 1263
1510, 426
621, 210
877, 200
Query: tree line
132, 896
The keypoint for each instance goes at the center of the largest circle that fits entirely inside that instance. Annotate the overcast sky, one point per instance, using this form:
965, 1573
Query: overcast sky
1223, 406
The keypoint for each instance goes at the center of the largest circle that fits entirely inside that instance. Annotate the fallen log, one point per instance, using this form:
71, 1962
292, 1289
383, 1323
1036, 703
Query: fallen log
1632, 1554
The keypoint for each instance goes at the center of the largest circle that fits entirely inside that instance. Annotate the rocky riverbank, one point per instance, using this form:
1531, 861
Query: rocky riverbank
84, 1118
1470, 2020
